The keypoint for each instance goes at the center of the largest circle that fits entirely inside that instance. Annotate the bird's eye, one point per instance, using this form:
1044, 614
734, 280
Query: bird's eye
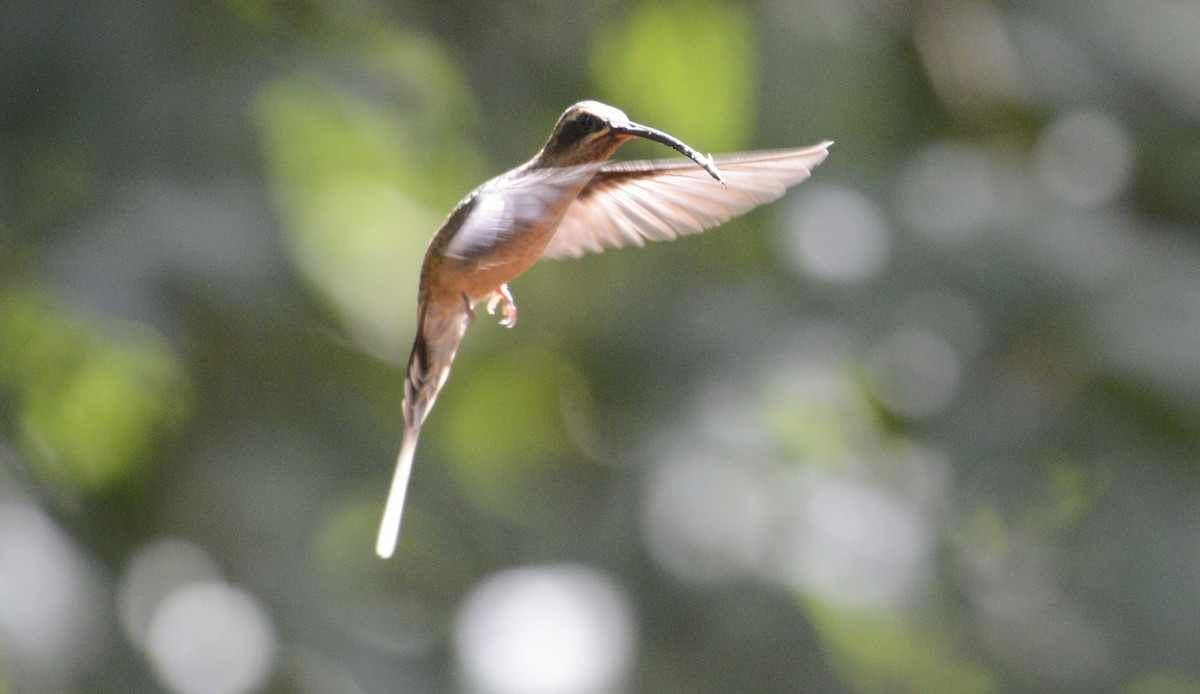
588, 123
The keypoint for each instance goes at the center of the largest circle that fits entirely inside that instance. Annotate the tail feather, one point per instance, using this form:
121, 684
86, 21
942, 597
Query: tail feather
389, 529
440, 330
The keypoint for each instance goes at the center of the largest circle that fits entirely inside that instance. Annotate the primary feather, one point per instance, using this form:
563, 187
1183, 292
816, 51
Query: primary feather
629, 203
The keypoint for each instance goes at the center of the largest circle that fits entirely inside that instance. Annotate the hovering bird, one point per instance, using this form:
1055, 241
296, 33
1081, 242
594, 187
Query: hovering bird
566, 201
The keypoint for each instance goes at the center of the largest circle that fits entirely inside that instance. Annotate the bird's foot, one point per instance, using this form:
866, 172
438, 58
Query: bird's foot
510, 307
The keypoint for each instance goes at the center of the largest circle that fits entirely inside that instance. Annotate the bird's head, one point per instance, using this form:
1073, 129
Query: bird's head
589, 132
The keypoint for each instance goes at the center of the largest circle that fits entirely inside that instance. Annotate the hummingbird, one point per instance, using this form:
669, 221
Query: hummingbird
567, 201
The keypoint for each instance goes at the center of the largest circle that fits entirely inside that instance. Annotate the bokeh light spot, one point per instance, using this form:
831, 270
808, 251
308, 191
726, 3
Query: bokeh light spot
1085, 158
915, 374
947, 191
564, 629
856, 545
211, 638
968, 55
838, 235
705, 519
155, 571
48, 599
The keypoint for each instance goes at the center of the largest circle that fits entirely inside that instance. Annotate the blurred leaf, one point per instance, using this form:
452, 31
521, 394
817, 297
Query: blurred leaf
41, 346
1073, 490
402, 603
348, 227
822, 421
504, 431
879, 652
362, 185
429, 560
91, 406
689, 68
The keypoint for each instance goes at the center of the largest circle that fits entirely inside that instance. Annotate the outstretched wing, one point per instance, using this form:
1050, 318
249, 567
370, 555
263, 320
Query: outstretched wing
629, 203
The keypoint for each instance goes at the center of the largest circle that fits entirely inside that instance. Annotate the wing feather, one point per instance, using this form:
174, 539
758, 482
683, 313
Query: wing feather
629, 203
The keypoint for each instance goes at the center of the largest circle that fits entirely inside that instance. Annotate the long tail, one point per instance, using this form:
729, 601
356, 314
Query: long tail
389, 529
440, 328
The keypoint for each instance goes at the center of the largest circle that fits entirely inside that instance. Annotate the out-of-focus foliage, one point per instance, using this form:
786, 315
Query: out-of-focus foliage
89, 410
931, 422
348, 190
872, 652
681, 41
505, 463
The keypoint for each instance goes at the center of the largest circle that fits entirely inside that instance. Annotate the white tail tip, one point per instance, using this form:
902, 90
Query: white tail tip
389, 529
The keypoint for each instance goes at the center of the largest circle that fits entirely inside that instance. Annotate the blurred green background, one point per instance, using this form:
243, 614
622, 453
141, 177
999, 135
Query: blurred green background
931, 423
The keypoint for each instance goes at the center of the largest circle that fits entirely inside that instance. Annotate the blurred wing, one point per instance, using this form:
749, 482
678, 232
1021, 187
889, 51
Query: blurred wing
511, 203
628, 203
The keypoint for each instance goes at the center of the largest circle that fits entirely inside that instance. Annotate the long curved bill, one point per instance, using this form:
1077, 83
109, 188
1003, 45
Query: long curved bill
642, 131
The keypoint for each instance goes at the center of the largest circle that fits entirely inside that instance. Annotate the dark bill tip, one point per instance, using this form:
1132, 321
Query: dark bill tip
636, 130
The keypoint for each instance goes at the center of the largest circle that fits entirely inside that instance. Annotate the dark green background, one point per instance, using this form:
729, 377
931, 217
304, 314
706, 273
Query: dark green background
948, 445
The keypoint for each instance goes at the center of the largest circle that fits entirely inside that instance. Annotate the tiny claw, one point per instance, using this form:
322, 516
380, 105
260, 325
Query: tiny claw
502, 295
